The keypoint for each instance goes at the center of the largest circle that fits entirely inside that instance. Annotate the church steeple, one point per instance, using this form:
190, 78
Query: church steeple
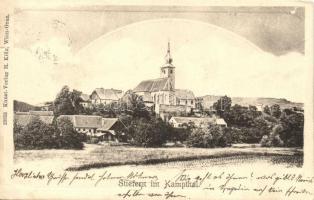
168, 55
168, 70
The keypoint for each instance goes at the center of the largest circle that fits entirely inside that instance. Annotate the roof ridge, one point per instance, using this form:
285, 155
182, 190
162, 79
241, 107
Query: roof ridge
153, 79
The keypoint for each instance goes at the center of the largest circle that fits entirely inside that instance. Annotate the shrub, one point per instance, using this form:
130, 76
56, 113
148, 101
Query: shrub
265, 142
292, 128
68, 137
149, 133
209, 137
39, 135
35, 135
178, 134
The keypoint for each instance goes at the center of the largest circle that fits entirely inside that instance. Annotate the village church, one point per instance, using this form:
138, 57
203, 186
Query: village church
162, 92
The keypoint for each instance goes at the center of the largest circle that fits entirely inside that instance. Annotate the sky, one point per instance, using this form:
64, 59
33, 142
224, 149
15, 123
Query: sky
215, 53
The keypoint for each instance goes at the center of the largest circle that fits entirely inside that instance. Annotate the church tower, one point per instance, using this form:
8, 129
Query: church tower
168, 70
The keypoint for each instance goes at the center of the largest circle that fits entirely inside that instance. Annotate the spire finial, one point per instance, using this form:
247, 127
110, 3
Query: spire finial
168, 55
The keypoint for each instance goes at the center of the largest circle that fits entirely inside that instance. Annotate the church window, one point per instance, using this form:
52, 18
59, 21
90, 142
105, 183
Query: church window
191, 101
170, 71
164, 71
186, 101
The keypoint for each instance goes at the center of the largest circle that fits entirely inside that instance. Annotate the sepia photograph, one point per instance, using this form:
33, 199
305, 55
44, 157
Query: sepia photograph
107, 94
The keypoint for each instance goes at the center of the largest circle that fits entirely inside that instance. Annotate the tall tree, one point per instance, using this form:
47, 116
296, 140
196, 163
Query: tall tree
275, 110
222, 105
135, 106
76, 100
266, 110
67, 102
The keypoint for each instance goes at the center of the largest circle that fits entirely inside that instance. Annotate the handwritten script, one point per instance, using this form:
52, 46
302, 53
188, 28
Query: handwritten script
140, 184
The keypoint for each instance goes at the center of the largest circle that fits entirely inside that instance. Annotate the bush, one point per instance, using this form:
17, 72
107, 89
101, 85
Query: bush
148, 133
265, 142
68, 137
39, 135
178, 134
273, 140
209, 137
35, 135
292, 129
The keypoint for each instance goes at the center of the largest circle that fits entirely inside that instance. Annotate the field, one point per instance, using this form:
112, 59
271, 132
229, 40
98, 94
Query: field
102, 156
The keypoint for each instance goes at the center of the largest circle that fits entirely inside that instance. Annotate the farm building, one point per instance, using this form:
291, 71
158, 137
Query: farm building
179, 122
85, 100
94, 126
105, 96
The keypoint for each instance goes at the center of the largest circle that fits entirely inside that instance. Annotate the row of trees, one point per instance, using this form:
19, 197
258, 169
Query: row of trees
272, 127
39, 135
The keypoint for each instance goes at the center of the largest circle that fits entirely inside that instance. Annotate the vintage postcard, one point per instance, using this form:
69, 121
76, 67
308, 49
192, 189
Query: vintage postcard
156, 100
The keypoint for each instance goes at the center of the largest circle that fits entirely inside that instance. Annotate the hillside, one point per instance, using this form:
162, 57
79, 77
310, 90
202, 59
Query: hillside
209, 100
20, 106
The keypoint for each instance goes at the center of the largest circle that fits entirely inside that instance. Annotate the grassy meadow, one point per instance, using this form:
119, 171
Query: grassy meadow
102, 156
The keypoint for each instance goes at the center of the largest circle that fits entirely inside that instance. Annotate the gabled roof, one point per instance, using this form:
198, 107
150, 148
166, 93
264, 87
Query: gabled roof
153, 85
196, 120
199, 120
111, 94
107, 123
41, 113
85, 97
84, 121
90, 121
220, 121
184, 94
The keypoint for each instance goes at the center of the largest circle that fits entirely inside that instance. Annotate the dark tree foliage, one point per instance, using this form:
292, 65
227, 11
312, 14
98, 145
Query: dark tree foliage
209, 137
149, 133
287, 130
266, 110
68, 137
35, 135
275, 110
135, 106
222, 105
241, 116
39, 135
293, 127
67, 102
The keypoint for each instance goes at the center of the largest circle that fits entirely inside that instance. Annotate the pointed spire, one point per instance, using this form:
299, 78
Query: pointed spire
168, 55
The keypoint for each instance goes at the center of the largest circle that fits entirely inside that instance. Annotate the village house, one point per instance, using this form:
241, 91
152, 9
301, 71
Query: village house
94, 126
85, 100
162, 91
179, 122
107, 132
105, 96
24, 118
